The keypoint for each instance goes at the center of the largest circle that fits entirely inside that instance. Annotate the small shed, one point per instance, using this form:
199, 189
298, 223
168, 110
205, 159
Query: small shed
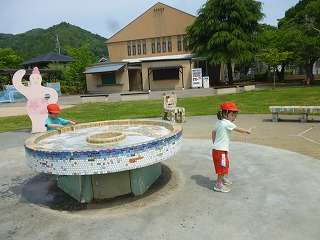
43, 60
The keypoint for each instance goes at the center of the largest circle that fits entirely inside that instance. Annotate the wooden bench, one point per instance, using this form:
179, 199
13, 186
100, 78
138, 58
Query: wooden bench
302, 79
94, 98
303, 110
176, 114
298, 81
134, 96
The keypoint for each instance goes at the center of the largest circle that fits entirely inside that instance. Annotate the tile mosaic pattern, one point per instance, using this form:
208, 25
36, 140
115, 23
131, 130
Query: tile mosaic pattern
66, 152
294, 109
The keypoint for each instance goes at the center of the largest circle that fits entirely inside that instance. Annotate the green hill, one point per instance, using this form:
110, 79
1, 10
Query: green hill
39, 41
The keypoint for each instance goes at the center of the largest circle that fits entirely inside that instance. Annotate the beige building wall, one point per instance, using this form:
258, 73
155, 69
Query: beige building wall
157, 23
159, 26
94, 82
169, 83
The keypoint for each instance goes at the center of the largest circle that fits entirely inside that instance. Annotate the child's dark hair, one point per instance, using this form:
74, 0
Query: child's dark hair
221, 113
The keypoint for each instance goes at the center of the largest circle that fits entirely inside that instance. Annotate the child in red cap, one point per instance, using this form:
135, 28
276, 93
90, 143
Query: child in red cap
54, 122
221, 138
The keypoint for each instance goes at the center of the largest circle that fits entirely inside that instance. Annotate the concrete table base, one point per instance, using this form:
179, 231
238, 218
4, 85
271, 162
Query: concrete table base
85, 188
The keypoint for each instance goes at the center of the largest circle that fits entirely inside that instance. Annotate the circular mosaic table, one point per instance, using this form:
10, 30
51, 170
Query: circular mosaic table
105, 148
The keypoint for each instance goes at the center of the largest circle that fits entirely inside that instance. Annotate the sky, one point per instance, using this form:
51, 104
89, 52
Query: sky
102, 17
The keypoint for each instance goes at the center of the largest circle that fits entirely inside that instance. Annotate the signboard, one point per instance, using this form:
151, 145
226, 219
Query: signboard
196, 78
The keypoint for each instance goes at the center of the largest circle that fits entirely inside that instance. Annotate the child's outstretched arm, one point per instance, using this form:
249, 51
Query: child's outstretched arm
51, 125
71, 122
242, 130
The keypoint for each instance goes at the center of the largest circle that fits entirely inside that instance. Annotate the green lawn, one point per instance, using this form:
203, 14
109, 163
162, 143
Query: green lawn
255, 102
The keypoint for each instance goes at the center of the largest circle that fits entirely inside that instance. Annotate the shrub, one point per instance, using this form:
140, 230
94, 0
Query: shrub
260, 76
69, 89
288, 72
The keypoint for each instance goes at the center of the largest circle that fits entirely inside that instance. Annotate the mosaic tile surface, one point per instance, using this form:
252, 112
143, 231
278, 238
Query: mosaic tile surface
67, 152
294, 109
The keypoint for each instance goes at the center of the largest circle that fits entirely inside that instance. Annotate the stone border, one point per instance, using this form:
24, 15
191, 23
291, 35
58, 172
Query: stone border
134, 96
94, 98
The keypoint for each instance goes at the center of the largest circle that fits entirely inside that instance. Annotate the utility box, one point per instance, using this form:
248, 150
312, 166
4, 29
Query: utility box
205, 82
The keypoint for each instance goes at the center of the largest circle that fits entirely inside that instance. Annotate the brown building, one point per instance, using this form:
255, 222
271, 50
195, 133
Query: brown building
148, 54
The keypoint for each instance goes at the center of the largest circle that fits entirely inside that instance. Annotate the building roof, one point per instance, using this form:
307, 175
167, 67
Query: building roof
105, 68
150, 20
49, 58
28, 71
160, 58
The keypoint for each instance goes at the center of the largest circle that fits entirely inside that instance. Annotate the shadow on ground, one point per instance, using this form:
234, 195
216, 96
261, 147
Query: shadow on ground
43, 190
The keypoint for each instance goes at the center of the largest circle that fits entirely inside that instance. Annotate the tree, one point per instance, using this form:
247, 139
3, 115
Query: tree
302, 37
226, 31
275, 49
73, 80
39, 41
84, 58
274, 58
8, 59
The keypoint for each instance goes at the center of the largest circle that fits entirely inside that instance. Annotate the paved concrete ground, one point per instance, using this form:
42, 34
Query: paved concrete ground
275, 194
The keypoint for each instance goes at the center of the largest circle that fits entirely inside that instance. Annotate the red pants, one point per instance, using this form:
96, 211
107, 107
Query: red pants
221, 161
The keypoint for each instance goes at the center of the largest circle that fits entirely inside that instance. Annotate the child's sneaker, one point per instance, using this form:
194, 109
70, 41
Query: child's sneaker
221, 188
226, 181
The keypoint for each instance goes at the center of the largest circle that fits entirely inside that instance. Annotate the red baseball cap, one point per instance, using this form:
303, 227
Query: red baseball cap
53, 108
229, 106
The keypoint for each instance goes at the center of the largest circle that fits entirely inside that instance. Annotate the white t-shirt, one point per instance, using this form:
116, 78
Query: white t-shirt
223, 130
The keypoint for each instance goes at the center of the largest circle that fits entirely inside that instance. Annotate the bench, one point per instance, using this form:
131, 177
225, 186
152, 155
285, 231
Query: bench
303, 110
225, 90
302, 79
13, 94
245, 88
6, 97
250, 87
176, 114
94, 98
133, 96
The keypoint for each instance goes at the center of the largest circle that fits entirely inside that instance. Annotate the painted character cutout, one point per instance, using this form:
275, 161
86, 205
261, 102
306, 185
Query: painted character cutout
36, 95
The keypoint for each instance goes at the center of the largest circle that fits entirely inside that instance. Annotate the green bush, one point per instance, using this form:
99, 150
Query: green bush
261, 76
69, 89
288, 72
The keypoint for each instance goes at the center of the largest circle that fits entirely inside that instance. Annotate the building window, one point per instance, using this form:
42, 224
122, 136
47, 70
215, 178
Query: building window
144, 47
179, 42
166, 74
108, 78
164, 44
129, 48
184, 43
134, 52
139, 47
169, 44
153, 45
158, 45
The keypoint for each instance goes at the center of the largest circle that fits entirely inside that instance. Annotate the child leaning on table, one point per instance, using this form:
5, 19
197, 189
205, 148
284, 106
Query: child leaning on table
54, 122
221, 138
